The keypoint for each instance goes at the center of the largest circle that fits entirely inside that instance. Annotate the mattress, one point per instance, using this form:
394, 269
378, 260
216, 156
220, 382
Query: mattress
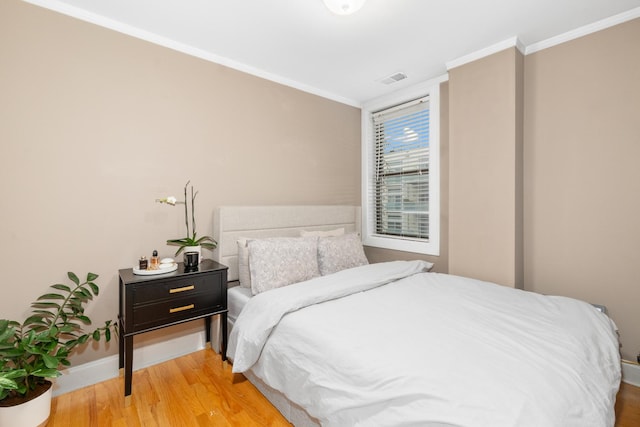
237, 298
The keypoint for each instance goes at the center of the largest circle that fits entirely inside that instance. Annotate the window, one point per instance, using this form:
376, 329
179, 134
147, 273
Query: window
401, 175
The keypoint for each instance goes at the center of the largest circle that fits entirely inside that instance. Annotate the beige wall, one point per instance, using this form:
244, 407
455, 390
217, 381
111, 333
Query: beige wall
563, 125
582, 177
96, 125
485, 178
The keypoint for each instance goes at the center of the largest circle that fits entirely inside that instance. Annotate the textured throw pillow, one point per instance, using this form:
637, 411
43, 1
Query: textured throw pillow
322, 233
339, 253
244, 276
282, 261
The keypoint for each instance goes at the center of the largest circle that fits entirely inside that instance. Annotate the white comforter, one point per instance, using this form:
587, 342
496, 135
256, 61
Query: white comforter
389, 345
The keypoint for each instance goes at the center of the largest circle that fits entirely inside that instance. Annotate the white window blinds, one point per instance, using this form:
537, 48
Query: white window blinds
401, 171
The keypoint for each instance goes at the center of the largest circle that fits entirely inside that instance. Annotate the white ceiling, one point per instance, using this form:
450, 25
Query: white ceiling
302, 44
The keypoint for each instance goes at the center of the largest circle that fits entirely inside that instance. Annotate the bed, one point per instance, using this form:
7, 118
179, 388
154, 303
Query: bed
395, 344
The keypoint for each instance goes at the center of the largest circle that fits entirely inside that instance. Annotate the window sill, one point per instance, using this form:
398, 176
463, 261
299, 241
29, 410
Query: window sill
405, 245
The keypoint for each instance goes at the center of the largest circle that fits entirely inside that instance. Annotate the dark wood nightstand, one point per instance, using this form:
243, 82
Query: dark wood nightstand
153, 302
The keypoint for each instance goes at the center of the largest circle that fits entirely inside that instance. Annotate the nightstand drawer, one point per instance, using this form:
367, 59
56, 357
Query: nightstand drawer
175, 310
173, 288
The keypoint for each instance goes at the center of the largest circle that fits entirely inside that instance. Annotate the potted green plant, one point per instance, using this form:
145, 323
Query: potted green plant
36, 349
191, 241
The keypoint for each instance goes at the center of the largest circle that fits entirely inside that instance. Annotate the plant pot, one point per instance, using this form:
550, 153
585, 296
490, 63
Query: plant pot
194, 249
28, 413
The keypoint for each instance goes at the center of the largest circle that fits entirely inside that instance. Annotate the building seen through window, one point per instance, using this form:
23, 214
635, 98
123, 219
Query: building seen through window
402, 171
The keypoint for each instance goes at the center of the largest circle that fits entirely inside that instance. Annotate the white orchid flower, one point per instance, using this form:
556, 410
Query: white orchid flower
168, 200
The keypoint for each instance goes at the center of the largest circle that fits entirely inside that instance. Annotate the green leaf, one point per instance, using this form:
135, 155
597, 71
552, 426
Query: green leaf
35, 319
8, 384
96, 335
12, 353
50, 296
12, 375
206, 241
80, 294
84, 319
46, 373
178, 242
72, 276
66, 328
50, 361
91, 277
43, 304
43, 313
107, 334
94, 288
61, 287
6, 332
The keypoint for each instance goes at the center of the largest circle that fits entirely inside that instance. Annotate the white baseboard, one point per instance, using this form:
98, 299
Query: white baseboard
631, 373
107, 368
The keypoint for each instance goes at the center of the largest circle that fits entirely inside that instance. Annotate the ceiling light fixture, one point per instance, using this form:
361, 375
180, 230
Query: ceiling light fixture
343, 7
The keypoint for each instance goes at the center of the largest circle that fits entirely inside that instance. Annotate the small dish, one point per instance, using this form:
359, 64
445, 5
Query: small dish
166, 265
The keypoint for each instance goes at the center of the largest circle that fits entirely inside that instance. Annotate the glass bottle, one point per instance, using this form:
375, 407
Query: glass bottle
155, 262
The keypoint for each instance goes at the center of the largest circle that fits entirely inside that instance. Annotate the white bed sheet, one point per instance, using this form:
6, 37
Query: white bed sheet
237, 298
459, 352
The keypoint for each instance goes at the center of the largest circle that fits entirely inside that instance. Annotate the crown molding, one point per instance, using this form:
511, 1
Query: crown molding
550, 42
584, 31
83, 15
487, 51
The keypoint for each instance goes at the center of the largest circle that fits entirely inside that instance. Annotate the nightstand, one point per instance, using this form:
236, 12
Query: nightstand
148, 303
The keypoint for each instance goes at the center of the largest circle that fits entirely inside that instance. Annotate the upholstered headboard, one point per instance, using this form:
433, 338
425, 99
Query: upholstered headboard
233, 222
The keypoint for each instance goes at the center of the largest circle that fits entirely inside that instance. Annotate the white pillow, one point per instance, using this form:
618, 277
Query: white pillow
322, 233
282, 261
339, 253
244, 276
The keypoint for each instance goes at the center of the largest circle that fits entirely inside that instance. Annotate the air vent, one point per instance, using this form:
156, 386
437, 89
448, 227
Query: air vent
393, 78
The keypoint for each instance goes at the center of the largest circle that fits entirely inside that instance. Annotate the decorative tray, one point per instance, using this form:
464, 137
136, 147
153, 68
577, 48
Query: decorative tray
164, 268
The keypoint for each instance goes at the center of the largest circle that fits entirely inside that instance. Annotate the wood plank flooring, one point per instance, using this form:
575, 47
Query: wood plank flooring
628, 406
194, 390
199, 390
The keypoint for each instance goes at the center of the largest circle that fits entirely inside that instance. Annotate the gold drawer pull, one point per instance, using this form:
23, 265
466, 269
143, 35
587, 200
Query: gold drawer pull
183, 308
182, 289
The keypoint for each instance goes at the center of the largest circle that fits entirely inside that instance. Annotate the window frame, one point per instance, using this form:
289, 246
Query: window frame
369, 236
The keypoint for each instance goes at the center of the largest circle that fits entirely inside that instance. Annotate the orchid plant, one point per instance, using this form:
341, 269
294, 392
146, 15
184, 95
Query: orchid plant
191, 239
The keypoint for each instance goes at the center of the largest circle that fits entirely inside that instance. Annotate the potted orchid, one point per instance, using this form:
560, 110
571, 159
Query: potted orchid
192, 239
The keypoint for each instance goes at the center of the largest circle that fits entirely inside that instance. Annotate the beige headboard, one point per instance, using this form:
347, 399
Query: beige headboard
233, 222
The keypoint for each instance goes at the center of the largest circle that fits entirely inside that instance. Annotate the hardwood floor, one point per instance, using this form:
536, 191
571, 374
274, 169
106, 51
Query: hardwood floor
628, 406
199, 390
193, 390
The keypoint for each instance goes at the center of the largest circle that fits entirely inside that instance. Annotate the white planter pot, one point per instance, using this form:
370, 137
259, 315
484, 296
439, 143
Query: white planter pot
194, 249
34, 413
